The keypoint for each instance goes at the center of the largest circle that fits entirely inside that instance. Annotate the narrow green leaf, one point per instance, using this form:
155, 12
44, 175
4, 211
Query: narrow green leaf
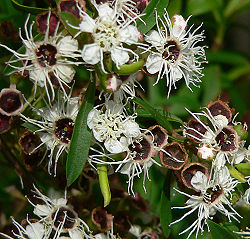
104, 184
149, 18
155, 114
244, 168
128, 69
80, 142
165, 212
236, 174
34, 10
217, 231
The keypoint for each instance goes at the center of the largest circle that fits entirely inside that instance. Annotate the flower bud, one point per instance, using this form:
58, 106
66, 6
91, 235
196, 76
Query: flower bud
10, 101
173, 156
190, 170
206, 152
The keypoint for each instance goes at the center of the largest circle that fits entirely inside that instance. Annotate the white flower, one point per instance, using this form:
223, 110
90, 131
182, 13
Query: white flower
109, 35
220, 136
214, 193
56, 126
173, 52
138, 160
35, 230
112, 126
47, 58
57, 215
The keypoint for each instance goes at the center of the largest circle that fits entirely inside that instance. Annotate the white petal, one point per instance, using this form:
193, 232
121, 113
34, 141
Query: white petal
38, 76
116, 146
119, 57
154, 38
91, 54
60, 201
239, 156
75, 234
42, 210
97, 135
220, 121
114, 107
91, 116
199, 181
100, 236
126, 169
65, 72
135, 230
87, 24
105, 12
35, 230
153, 63
67, 45
129, 34
179, 25
132, 129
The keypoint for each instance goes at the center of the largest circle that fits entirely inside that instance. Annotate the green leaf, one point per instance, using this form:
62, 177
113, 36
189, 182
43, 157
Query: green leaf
33, 10
217, 231
165, 211
104, 183
244, 168
236, 174
149, 18
155, 114
198, 7
80, 142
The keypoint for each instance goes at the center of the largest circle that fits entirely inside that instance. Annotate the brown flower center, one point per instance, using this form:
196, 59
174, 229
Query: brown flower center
212, 194
46, 55
64, 129
140, 150
226, 139
64, 216
172, 51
